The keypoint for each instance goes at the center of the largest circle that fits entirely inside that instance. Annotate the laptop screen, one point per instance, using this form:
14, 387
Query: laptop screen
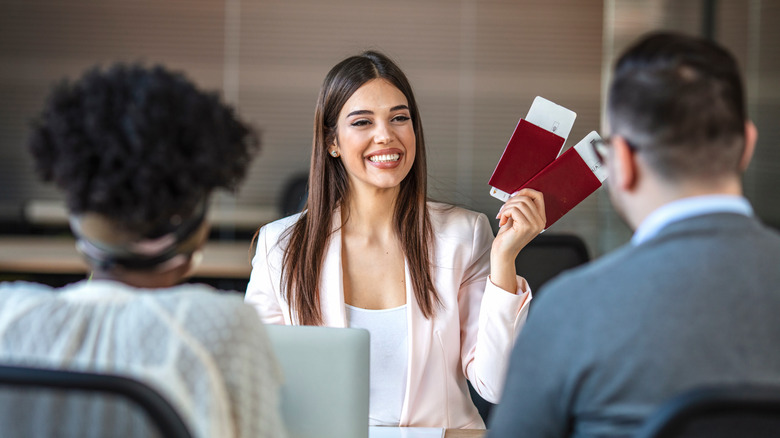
325, 390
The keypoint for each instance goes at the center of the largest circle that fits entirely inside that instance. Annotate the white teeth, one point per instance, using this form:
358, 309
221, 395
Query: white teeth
384, 158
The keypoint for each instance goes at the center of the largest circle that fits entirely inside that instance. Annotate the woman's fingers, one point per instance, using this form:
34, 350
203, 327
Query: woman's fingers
537, 198
523, 215
530, 213
521, 219
525, 206
521, 196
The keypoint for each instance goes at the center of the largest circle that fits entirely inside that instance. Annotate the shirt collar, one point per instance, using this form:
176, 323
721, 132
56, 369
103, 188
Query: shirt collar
686, 208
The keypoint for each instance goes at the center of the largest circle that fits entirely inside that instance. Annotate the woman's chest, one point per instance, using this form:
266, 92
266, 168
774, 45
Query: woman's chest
374, 276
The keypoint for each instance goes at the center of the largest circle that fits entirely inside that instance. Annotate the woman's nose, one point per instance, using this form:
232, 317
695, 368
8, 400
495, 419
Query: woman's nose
383, 134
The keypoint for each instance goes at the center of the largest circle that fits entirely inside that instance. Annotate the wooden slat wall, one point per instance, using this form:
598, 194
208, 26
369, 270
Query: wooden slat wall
44, 40
475, 66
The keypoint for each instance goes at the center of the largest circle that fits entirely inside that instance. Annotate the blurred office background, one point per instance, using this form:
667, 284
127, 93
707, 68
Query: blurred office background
475, 65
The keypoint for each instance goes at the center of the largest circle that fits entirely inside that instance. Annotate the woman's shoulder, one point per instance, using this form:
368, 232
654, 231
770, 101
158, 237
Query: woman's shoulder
447, 217
24, 287
272, 237
274, 230
15, 292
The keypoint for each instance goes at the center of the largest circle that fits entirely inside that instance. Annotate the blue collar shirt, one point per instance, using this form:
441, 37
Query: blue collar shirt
686, 208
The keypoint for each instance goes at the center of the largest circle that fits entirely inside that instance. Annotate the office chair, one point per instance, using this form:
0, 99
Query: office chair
542, 259
294, 194
717, 412
50, 382
548, 255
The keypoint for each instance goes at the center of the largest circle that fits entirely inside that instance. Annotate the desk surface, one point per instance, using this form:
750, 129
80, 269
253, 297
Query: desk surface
57, 255
463, 433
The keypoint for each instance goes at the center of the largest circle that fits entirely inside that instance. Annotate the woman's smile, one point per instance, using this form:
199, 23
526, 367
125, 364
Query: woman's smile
385, 158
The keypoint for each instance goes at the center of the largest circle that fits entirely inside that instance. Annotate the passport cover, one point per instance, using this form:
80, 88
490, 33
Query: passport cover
564, 183
530, 149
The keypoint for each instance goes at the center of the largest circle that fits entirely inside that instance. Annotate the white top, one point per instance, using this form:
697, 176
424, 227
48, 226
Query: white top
686, 208
205, 352
388, 361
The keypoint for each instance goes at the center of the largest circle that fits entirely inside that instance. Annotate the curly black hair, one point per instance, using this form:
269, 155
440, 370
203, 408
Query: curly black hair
139, 145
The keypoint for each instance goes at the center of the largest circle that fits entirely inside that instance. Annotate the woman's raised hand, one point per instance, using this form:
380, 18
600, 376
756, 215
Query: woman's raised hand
521, 218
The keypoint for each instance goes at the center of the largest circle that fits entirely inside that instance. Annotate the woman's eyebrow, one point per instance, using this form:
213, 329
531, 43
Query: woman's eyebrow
359, 113
363, 112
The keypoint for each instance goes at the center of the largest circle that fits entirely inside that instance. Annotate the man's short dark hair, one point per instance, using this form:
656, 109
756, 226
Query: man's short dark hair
679, 100
142, 146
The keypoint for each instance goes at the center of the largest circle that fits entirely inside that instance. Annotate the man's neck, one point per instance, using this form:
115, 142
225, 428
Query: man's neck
657, 194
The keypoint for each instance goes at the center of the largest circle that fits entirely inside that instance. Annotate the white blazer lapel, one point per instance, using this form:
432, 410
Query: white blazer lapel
419, 342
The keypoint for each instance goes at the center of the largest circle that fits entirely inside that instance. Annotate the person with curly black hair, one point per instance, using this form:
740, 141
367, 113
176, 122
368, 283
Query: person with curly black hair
137, 152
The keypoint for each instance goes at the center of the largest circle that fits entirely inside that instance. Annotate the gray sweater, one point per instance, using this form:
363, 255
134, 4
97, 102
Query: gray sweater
605, 344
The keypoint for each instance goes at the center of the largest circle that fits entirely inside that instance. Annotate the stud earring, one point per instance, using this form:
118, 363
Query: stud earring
334, 154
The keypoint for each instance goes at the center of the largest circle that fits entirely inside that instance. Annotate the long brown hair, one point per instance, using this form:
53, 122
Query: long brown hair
329, 186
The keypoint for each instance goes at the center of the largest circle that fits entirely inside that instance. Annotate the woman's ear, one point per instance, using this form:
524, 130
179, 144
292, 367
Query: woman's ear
625, 169
751, 136
333, 148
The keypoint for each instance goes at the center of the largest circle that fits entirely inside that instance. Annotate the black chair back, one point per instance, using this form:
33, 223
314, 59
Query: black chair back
548, 255
294, 194
162, 415
733, 411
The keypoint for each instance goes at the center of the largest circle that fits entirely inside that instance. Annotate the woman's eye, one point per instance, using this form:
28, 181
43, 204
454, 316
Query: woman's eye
360, 122
401, 118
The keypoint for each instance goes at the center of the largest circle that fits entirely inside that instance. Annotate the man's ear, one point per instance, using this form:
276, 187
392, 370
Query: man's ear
751, 136
623, 160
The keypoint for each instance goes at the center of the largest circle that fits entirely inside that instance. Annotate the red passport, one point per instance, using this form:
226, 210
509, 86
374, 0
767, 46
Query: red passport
530, 149
565, 182
529, 161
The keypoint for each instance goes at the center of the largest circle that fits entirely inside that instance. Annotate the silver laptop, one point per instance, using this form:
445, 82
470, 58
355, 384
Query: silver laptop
325, 389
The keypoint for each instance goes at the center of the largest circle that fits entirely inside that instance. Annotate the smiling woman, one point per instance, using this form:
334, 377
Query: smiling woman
439, 295
375, 138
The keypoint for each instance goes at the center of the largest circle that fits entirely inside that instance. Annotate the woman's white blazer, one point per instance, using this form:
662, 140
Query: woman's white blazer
471, 335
